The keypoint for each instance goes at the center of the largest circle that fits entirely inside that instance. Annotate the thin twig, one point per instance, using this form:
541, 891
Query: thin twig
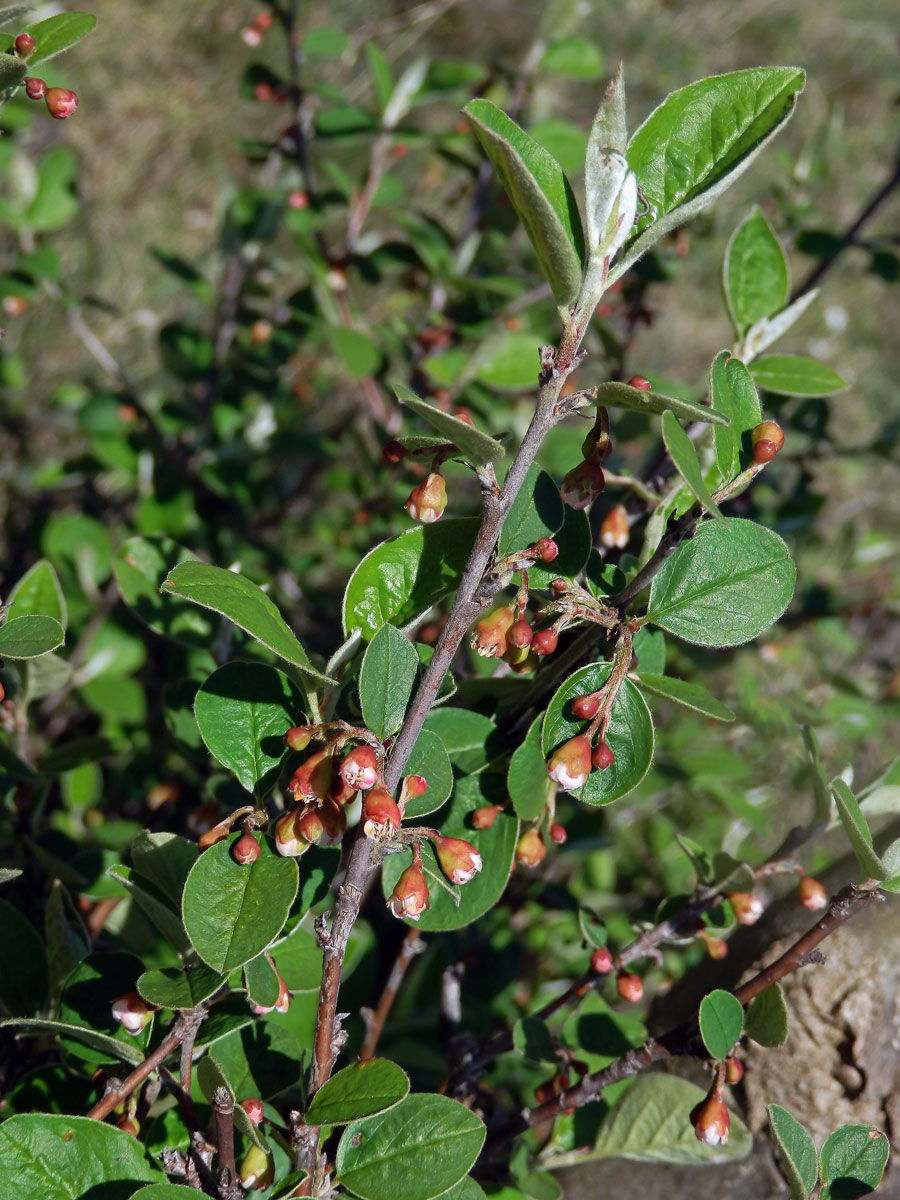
411, 945
117, 1094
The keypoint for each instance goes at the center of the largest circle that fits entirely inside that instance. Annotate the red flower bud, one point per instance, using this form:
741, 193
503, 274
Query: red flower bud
716, 948
427, 502
360, 768
459, 860
734, 1070
614, 531
585, 708
61, 102
546, 549
558, 833
560, 586
602, 757
520, 634
288, 843
380, 812
299, 737
748, 908
489, 638
811, 894
570, 764
413, 786
298, 200
582, 485
263, 92
312, 779
601, 961
24, 44
264, 21
530, 850
545, 641
246, 849
410, 895
253, 1107
393, 452
711, 1121
309, 825
132, 1011
483, 818
767, 439
630, 987
35, 89
638, 381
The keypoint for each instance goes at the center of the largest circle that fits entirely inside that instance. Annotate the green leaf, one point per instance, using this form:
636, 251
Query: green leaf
699, 857
767, 1021
24, 974
622, 395
536, 512
724, 586
68, 943
69, 1158
592, 927
245, 605
649, 647
797, 1152
12, 71
755, 274
733, 394
164, 859
539, 192
299, 960
575, 56
651, 1123
853, 1159
857, 831
387, 677
232, 912
12, 12
165, 1191
404, 576
418, 1149
527, 778
243, 711
691, 695
574, 541
380, 70
629, 734
821, 798
495, 845
701, 139
31, 636
58, 33
155, 904
357, 352
38, 593
508, 359
262, 983
475, 445
565, 140
86, 1002
721, 1022
179, 987
430, 760
684, 456
210, 1076
140, 567
260, 1060
471, 739
731, 875
109, 1047
793, 375
531, 1038
358, 1091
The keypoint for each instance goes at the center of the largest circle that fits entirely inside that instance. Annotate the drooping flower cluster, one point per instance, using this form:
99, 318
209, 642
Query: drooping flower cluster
459, 860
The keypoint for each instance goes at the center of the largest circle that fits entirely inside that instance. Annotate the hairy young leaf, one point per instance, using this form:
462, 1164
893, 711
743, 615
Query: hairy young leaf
404, 576
475, 445
852, 1161
536, 512
233, 911
622, 395
30, 636
430, 760
245, 605
724, 586
243, 711
682, 691
629, 734
140, 568
179, 987
386, 1156
721, 1022
857, 830
387, 677
767, 1020
58, 33
793, 375
796, 1150
539, 192
684, 456
358, 1091
38, 592
733, 393
755, 273
100, 1047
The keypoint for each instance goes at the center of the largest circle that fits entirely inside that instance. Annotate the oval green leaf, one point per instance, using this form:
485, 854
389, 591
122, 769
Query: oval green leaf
179, 988
58, 33
724, 586
30, 636
721, 1022
755, 273
471, 739
857, 831
684, 456
682, 691
767, 1021
38, 593
243, 711
418, 1149
260, 1060
527, 778
387, 677
430, 760
629, 735
794, 375
797, 1152
360, 1090
109, 1049
622, 395
478, 447
733, 393
536, 512
852, 1161
165, 1191
261, 981
574, 541
232, 912
140, 568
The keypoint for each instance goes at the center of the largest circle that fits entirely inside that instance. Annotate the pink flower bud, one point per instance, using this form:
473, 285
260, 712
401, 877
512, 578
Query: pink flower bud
601, 961
309, 825
35, 89
299, 737
459, 860
410, 895
570, 764
251, 36
341, 791
483, 818
629, 987
716, 948
283, 1003
811, 894
544, 641
734, 1070
298, 200
360, 768
61, 102
394, 452
287, 841
427, 502
489, 638
380, 812
638, 381
582, 485
520, 634
614, 531
585, 708
253, 1107
530, 850
558, 833
711, 1121
132, 1011
748, 908
334, 820
602, 757
415, 785
546, 549
312, 779
246, 849
24, 44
